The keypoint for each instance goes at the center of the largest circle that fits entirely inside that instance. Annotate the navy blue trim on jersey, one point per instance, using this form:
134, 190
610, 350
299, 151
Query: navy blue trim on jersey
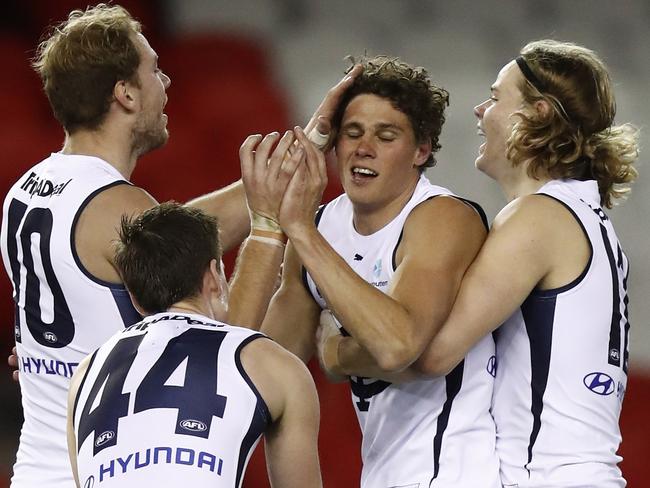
626, 334
538, 314
303, 270
125, 306
259, 422
401, 234
474, 205
81, 385
479, 210
453, 384
614, 346
555, 291
73, 246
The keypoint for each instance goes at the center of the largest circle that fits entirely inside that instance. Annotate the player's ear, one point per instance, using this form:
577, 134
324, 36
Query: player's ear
212, 277
124, 94
422, 153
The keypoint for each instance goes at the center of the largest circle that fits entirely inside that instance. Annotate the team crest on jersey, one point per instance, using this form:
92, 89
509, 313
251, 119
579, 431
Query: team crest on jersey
599, 383
614, 354
104, 437
193, 425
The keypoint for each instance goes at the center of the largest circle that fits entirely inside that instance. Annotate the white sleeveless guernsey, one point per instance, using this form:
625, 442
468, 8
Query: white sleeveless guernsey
562, 365
427, 433
166, 402
62, 312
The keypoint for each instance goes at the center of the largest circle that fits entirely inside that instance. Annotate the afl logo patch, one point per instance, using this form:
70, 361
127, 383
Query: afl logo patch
104, 437
50, 337
90, 482
599, 383
193, 425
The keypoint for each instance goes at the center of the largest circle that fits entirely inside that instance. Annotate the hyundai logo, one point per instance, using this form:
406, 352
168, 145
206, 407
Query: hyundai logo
50, 337
104, 437
193, 425
492, 366
599, 383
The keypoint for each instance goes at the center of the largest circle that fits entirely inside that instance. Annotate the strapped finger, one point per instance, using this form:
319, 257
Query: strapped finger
313, 155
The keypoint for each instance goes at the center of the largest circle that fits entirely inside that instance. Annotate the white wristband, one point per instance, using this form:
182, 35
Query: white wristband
267, 240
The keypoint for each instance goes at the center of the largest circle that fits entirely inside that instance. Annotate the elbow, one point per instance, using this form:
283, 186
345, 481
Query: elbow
396, 358
434, 365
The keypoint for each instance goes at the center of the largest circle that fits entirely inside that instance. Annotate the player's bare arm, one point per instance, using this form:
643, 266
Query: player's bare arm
266, 171
229, 206
292, 317
286, 386
520, 254
441, 238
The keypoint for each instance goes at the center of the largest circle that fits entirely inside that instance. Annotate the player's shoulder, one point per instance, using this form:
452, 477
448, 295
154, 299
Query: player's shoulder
447, 215
534, 211
275, 372
263, 351
123, 199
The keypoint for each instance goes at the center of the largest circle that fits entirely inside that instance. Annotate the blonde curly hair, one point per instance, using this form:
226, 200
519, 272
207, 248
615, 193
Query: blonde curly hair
577, 138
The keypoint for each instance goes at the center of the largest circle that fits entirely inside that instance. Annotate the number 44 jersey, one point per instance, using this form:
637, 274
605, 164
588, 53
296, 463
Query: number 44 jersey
62, 312
166, 402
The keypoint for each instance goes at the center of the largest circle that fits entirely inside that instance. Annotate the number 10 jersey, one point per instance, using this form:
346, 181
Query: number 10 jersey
63, 313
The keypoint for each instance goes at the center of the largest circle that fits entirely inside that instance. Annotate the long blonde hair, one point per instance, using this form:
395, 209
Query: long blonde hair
577, 138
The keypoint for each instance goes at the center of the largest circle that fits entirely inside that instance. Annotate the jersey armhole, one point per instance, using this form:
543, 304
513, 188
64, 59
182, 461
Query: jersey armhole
261, 407
303, 270
73, 229
473, 205
575, 282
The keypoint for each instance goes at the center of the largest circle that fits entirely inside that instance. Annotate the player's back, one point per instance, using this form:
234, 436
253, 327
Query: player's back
166, 402
62, 313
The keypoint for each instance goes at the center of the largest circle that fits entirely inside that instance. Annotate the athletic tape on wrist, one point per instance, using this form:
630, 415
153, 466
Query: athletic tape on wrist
267, 240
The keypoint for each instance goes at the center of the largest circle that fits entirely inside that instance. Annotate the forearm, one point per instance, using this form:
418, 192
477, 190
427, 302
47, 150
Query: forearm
254, 281
349, 358
229, 206
382, 326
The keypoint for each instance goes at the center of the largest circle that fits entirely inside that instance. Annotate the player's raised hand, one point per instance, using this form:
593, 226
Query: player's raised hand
305, 189
319, 125
267, 168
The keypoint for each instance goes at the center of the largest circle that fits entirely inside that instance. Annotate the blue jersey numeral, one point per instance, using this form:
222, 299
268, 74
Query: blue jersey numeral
38, 221
196, 348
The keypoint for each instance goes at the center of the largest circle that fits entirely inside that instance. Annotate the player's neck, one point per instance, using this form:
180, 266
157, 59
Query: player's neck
101, 145
517, 183
192, 306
